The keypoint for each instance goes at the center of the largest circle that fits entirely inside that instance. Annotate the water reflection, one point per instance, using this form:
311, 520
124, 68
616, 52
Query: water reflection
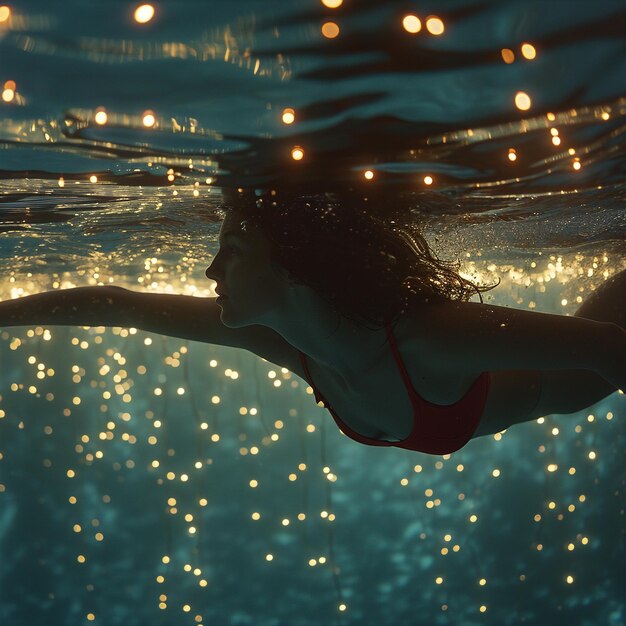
171, 463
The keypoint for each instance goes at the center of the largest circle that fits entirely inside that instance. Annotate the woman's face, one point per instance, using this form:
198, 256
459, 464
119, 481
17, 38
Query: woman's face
253, 289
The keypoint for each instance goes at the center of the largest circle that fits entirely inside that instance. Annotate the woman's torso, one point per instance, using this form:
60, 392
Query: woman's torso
378, 405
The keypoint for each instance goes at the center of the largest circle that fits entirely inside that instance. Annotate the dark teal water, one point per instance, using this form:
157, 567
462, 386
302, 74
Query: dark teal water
151, 480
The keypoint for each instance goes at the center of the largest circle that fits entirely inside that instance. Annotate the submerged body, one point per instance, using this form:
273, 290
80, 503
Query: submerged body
433, 428
451, 371
445, 374
404, 399
380, 400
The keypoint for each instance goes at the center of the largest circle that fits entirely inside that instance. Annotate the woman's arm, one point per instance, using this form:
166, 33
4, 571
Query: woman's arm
479, 337
81, 306
186, 317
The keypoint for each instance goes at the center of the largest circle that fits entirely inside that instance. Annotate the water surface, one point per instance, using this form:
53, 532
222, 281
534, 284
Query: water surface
146, 479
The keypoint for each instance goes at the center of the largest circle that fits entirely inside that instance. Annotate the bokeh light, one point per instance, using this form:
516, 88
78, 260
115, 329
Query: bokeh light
330, 30
522, 101
101, 117
434, 25
148, 119
144, 13
412, 23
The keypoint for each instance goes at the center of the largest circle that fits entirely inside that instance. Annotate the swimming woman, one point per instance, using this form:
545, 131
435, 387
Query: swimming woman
299, 282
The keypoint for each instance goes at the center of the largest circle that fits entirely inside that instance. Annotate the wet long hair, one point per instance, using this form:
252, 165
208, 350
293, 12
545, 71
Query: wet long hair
370, 270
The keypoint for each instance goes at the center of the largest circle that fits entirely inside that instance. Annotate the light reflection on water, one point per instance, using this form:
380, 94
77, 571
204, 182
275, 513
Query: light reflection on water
116, 141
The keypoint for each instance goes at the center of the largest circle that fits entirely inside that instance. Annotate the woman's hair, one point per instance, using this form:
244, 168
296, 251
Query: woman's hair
369, 269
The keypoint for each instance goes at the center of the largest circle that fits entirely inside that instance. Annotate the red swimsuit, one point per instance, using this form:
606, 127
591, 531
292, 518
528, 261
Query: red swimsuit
437, 429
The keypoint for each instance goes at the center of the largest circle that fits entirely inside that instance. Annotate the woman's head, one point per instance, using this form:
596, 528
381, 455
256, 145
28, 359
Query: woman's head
252, 288
367, 268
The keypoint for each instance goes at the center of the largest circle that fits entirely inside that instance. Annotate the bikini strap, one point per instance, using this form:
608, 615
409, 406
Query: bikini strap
405, 375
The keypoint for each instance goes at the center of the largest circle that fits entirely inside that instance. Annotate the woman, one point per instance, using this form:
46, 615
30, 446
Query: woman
361, 309
432, 370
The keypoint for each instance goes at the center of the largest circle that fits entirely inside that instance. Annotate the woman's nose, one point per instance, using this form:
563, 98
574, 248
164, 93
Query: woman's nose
213, 271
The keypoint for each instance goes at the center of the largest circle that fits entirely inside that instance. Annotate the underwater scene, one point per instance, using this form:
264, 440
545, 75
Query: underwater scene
166, 460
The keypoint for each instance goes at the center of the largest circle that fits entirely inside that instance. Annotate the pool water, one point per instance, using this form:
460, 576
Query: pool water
152, 480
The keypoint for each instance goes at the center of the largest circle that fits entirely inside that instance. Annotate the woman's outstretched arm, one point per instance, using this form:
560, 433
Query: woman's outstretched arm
185, 317
81, 306
479, 337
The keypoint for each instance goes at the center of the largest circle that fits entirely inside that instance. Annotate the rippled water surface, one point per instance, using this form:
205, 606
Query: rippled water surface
153, 480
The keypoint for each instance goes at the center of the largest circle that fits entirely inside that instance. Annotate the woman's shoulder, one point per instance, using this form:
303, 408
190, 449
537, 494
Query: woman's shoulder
412, 324
413, 329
